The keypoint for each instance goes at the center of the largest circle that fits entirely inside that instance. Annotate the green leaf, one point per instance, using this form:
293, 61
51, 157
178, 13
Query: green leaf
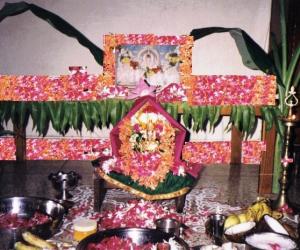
129, 104
237, 122
231, 118
267, 117
172, 109
275, 54
297, 80
56, 113
203, 116
7, 132
252, 121
195, 117
186, 115
291, 68
13, 9
43, 119
277, 115
86, 114
66, 120
102, 106
245, 119
283, 40
13, 113
5, 111
75, 118
95, 114
253, 56
2, 112
124, 109
22, 114
34, 111
213, 115
115, 111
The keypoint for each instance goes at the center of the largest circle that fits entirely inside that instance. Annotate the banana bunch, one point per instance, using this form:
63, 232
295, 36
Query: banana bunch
253, 213
36, 243
256, 211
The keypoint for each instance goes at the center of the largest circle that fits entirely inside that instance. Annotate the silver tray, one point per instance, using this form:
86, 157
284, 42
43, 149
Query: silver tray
139, 236
25, 207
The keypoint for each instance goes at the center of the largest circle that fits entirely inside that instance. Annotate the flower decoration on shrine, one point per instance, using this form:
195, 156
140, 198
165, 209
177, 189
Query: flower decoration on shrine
148, 142
146, 152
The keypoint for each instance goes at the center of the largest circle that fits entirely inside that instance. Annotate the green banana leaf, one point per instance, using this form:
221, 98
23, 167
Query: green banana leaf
253, 56
13, 9
172, 183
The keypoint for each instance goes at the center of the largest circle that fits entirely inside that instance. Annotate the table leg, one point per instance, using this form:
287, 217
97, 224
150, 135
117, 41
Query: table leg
179, 202
99, 193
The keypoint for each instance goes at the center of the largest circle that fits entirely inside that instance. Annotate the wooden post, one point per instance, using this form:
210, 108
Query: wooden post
236, 146
20, 141
267, 162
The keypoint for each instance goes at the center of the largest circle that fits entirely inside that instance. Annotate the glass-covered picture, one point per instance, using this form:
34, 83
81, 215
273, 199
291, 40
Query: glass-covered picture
159, 60
156, 64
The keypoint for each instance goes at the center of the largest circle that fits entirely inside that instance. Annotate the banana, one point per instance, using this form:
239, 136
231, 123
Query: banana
20, 246
258, 210
231, 220
243, 217
37, 241
276, 215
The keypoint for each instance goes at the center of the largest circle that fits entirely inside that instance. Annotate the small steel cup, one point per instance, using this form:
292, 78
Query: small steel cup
216, 224
168, 225
63, 183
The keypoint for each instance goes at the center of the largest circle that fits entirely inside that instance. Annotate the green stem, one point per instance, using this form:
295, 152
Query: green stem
296, 81
283, 40
291, 69
281, 92
277, 165
276, 55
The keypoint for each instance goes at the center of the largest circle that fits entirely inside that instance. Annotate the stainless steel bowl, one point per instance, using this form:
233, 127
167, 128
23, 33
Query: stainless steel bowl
138, 235
26, 207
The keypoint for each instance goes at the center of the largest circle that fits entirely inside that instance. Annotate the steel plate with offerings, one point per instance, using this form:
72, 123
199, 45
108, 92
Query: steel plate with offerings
136, 236
42, 217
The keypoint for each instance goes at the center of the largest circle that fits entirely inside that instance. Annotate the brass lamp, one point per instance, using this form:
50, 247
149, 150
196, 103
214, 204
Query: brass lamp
290, 121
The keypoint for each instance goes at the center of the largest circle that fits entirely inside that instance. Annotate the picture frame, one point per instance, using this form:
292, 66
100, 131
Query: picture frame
159, 60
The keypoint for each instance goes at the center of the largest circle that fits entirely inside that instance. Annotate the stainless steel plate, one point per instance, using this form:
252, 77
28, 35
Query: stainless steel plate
26, 207
138, 235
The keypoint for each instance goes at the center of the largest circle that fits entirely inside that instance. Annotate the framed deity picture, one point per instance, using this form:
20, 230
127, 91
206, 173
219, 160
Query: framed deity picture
159, 60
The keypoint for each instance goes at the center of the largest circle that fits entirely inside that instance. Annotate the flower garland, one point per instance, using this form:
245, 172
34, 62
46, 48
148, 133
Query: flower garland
147, 147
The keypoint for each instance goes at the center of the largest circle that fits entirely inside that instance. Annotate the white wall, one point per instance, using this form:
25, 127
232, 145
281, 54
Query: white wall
29, 45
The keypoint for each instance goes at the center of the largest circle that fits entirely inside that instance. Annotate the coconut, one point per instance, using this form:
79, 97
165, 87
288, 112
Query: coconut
238, 232
270, 241
269, 224
293, 232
